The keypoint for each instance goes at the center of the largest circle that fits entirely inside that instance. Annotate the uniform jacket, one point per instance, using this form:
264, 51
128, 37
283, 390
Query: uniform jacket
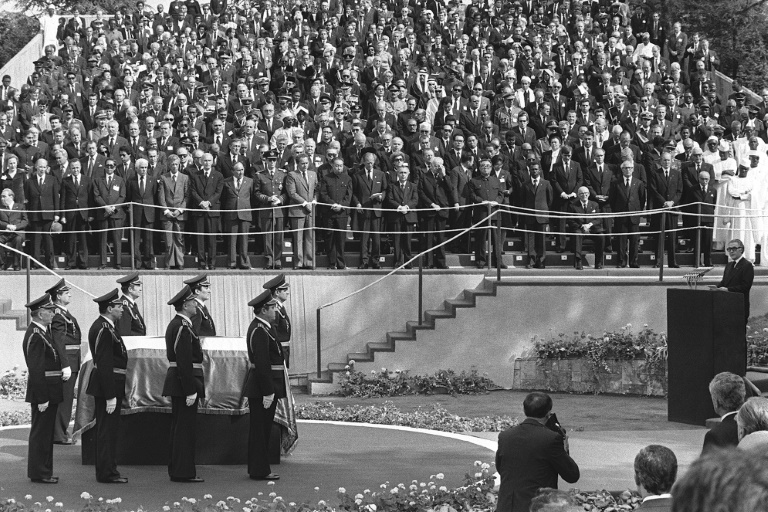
265, 354
110, 359
485, 189
265, 186
42, 357
131, 323
203, 321
184, 349
66, 335
337, 190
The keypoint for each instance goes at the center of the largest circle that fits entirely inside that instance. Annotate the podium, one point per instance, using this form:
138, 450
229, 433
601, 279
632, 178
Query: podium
707, 335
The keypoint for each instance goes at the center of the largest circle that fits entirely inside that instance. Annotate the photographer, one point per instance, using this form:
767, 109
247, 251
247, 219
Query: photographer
532, 455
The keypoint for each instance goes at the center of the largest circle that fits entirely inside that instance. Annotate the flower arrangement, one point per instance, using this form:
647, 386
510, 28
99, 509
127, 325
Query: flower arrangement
13, 385
399, 382
433, 418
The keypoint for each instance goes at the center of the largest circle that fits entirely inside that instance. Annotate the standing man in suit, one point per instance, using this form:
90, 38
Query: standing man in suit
597, 179
369, 188
108, 192
627, 194
66, 335
269, 187
586, 223
336, 189
172, 196
142, 191
436, 191
236, 197
13, 220
537, 195
76, 198
44, 389
302, 189
185, 384
41, 193
532, 455
655, 473
402, 199
707, 195
728, 393
666, 192
265, 384
131, 323
739, 273
566, 179
486, 190
107, 384
205, 192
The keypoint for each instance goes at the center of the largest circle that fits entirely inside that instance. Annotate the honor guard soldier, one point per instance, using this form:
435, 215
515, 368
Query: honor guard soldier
280, 291
185, 385
67, 336
202, 319
44, 389
107, 383
131, 323
265, 383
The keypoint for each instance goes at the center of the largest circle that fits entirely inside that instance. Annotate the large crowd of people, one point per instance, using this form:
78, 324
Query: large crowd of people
258, 119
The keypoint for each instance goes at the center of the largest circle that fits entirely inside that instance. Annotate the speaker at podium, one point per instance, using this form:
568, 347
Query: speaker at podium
706, 336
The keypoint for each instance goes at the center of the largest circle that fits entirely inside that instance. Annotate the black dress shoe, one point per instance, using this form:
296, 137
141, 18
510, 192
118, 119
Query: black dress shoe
66, 442
232, 267
674, 265
244, 267
376, 266
193, 480
65, 268
361, 267
271, 476
16, 268
211, 267
408, 267
529, 266
341, 267
180, 267
278, 266
634, 265
118, 267
116, 480
102, 267
598, 266
579, 266
202, 267
51, 480
503, 266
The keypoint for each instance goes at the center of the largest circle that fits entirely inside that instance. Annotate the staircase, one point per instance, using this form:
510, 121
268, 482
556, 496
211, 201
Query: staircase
19, 315
328, 381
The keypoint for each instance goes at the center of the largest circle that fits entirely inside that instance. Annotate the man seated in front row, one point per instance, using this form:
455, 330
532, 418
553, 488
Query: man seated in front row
13, 220
655, 473
728, 394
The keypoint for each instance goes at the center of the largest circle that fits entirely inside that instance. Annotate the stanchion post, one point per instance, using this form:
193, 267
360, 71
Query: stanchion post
487, 237
499, 218
660, 248
421, 288
29, 290
274, 263
132, 239
319, 357
313, 233
697, 248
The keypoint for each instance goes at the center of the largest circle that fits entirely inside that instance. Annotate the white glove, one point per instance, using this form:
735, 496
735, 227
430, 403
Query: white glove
267, 400
111, 405
191, 399
66, 373
42, 407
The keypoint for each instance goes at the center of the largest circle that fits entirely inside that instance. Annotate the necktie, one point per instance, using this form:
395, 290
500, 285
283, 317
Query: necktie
535, 182
599, 169
40, 181
111, 142
584, 205
626, 182
77, 182
109, 182
207, 175
666, 175
174, 177
141, 185
370, 178
90, 166
237, 184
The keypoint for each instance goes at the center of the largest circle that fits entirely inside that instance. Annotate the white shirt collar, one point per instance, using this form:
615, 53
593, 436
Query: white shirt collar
183, 316
108, 320
657, 497
738, 260
732, 413
199, 301
129, 299
44, 328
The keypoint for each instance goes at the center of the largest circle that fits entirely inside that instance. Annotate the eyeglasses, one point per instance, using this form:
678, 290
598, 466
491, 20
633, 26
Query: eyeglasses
110, 165
731, 249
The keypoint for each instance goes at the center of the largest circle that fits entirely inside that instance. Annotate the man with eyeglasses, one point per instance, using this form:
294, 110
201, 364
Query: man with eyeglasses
205, 194
109, 193
739, 273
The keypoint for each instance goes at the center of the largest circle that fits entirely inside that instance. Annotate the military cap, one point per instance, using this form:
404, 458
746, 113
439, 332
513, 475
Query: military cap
58, 288
43, 302
198, 282
647, 115
754, 109
276, 283
552, 125
186, 141
130, 279
101, 114
740, 96
271, 155
109, 299
184, 295
325, 97
262, 299
704, 103
67, 108
356, 107
93, 58
262, 80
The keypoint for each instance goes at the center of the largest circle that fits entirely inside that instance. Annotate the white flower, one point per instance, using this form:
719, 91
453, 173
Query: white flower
383, 486
184, 498
177, 504
321, 503
432, 487
402, 486
271, 482
359, 496
220, 504
317, 489
373, 372
272, 494
394, 490
29, 496
166, 508
414, 481
485, 466
629, 326
357, 502
347, 368
478, 475
422, 484
351, 362
49, 499
477, 463
413, 487
367, 491
117, 500
260, 494
277, 500
439, 476
292, 504
342, 490
370, 508
246, 509
11, 501
443, 488
47, 510
207, 497
383, 370
192, 500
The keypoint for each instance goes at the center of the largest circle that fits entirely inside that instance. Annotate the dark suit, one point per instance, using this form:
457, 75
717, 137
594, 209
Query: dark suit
402, 195
625, 200
266, 377
706, 222
599, 184
77, 197
107, 381
661, 191
184, 378
271, 220
143, 218
226, 165
435, 190
567, 182
530, 456
16, 217
538, 198
338, 189
66, 335
106, 195
237, 221
369, 219
657, 505
723, 435
43, 205
738, 278
586, 216
206, 189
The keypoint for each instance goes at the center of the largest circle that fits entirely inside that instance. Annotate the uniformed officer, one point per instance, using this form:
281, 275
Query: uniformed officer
265, 383
280, 291
131, 323
44, 389
202, 319
185, 384
107, 383
66, 335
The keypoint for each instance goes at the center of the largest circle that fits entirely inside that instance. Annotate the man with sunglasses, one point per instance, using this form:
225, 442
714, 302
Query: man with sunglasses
739, 273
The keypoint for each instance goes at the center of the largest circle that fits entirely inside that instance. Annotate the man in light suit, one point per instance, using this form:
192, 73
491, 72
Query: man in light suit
301, 187
205, 193
655, 473
41, 194
108, 192
269, 187
369, 189
13, 220
402, 199
236, 196
142, 190
76, 196
172, 196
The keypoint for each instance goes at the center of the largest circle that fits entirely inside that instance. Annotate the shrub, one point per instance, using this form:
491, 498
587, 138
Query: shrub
398, 383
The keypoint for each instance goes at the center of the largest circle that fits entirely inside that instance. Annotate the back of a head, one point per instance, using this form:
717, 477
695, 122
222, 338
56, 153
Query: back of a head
655, 469
723, 480
537, 404
728, 391
752, 416
553, 500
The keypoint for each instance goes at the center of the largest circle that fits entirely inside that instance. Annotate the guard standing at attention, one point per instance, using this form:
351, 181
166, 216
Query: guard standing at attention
280, 292
265, 384
44, 389
202, 319
185, 384
67, 337
131, 323
107, 384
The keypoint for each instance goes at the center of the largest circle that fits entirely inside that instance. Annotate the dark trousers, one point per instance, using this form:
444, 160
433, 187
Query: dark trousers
481, 238
107, 434
537, 238
273, 243
61, 429
115, 234
42, 240
206, 244
402, 241
706, 245
9, 258
335, 240
670, 238
259, 430
623, 225
461, 219
181, 461
599, 241
434, 226
77, 243
238, 241
369, 222
40, 450
561, 222
143, 243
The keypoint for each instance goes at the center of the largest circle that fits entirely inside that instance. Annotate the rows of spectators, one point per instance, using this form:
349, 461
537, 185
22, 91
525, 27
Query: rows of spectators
383, 115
